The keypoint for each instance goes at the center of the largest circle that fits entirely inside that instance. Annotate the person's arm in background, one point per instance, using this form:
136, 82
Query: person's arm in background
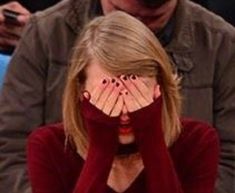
21, 108
11, 33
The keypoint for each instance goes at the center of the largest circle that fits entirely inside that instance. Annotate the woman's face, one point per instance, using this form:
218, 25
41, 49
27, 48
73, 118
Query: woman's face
107, 92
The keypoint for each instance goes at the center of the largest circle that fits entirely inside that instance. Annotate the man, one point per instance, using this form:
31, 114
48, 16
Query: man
201, 45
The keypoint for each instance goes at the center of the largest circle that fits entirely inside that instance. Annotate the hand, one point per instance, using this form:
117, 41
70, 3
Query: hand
103, 136
10, 34
100, 110
144, 104
106, 97
137, 94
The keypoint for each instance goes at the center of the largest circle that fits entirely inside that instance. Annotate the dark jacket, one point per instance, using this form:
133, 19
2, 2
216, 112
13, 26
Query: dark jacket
203, 49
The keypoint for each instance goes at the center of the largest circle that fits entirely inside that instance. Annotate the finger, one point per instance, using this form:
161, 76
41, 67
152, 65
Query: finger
12, 30
145, 90
117, 107
105, 94
96, 93
134, 91
85, 95
23, 19
130, 103
22, 14
1, 18
157, 91
111, 100
17, 7
6, 42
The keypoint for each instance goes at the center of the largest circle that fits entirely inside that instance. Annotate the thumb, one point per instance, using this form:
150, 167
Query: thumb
23, 19
86, 95
157, 91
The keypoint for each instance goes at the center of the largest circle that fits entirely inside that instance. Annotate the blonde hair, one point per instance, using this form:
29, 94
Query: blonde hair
122, 45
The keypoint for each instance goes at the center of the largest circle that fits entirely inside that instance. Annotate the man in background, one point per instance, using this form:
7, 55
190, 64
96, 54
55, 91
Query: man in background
200, 44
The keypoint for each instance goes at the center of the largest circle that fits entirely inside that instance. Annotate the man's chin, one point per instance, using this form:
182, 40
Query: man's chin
153, 3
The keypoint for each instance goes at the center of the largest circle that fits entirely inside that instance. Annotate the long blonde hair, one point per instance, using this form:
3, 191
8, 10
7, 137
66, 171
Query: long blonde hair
122, 45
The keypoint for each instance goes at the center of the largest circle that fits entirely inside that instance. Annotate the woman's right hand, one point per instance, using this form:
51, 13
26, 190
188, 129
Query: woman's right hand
106, 97
100, 109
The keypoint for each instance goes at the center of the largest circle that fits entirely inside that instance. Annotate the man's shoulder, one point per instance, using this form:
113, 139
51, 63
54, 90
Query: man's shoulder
201, 17
57, 11
53, 19
199, 30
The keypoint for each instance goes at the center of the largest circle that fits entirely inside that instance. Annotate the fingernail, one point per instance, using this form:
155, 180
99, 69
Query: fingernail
124, 77
117, 84
113, 80
133, 77
104, 81
126, 93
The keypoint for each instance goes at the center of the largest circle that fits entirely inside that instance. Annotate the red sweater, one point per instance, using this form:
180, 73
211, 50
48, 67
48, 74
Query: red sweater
189, 166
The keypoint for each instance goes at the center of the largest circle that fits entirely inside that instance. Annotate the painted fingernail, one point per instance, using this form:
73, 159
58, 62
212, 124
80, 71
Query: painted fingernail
124, 77
126, 93
104, 81
113, 80
133, 77
117, 84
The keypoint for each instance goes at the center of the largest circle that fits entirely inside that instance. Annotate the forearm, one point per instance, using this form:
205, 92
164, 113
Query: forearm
21, 109
103, 144
160, 171
95, 172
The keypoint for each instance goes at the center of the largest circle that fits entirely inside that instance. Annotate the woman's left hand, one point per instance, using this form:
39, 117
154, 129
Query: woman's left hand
137, 93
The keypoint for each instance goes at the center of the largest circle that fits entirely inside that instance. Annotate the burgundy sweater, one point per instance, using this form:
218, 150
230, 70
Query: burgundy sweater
188, 166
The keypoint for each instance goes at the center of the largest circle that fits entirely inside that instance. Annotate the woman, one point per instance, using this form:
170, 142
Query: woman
121, 130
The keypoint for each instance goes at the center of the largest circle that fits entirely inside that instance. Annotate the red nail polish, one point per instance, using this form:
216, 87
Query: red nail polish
104, 81
117, 84
113, 80
124, 77
133, 77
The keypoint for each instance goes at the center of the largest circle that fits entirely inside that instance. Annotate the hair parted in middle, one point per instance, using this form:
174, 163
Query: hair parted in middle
122, 45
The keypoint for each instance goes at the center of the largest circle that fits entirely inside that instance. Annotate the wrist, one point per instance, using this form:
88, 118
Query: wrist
92, 114
147, 119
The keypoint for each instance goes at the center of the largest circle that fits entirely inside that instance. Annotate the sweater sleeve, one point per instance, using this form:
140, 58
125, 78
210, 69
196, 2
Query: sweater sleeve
103, 143
48, 164
161, 173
